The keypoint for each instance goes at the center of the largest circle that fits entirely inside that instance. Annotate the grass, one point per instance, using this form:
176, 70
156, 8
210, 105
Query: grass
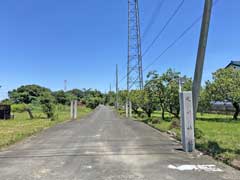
12, 131
220, 139
216, 134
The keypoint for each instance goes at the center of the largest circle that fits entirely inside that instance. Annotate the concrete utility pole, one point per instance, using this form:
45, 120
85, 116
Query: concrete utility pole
65, 85
116, 103
73, 110
201, 54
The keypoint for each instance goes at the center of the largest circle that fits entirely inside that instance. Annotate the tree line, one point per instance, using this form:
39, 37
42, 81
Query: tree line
24, 98
161, 92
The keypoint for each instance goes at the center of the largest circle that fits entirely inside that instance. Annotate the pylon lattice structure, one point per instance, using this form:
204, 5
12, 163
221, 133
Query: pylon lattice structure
134, 69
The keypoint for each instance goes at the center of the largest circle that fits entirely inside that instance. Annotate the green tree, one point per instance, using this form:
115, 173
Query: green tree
204, 101
122, 96
143, 99
92, 98
61, 97
93, 102
22, 108
47, 104
136, 100
225, 87
110, 98
155, 81
27, 94
165, 90
79, 94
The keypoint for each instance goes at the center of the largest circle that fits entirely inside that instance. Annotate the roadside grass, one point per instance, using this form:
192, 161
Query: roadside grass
12, 131
216, 134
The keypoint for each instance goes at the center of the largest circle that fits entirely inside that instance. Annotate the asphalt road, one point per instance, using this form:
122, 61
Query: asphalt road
105, 147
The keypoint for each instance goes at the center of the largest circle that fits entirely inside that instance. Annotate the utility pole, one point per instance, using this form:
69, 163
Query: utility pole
201, 54
134, 68
65, 85
116, 103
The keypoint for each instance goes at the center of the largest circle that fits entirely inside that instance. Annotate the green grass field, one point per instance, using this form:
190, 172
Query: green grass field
15, 130
217, 135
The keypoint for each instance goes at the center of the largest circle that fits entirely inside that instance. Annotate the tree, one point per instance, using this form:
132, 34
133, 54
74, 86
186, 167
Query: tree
110, 98
157, 85
136, 100
47, 103
93, 102
22, 108
92, 98
27, 94
61, 97
225, 87
79, 94
122, 96
204, 101
143, 99
148, 101
165, 89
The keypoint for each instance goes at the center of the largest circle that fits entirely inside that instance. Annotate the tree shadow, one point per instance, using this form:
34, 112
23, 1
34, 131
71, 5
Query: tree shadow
212, 148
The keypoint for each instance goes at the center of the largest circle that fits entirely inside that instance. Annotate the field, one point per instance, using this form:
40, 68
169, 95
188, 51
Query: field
216, 135
15, 130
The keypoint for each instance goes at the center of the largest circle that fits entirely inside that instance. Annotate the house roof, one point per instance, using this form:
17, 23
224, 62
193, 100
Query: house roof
234, 63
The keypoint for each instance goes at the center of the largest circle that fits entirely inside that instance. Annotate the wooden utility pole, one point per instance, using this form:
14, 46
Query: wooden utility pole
201, 54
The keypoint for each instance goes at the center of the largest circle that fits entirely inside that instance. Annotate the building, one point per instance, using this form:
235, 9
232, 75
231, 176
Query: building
5, 111
234, 64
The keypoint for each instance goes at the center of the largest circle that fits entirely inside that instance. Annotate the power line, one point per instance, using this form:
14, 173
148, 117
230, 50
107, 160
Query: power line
164, 27
177, 39
174, 42
153, 18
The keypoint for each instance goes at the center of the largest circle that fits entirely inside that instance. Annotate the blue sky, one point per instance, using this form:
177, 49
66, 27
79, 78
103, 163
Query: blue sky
47, 41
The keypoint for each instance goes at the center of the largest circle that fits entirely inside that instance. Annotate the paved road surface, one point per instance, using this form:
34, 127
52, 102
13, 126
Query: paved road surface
104, 147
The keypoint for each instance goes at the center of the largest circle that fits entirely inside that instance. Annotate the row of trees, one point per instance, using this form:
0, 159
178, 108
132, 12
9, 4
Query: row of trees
161, 92
224, 87
25, 97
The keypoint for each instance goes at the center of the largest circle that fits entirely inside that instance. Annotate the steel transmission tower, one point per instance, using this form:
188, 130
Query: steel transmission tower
134, 69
